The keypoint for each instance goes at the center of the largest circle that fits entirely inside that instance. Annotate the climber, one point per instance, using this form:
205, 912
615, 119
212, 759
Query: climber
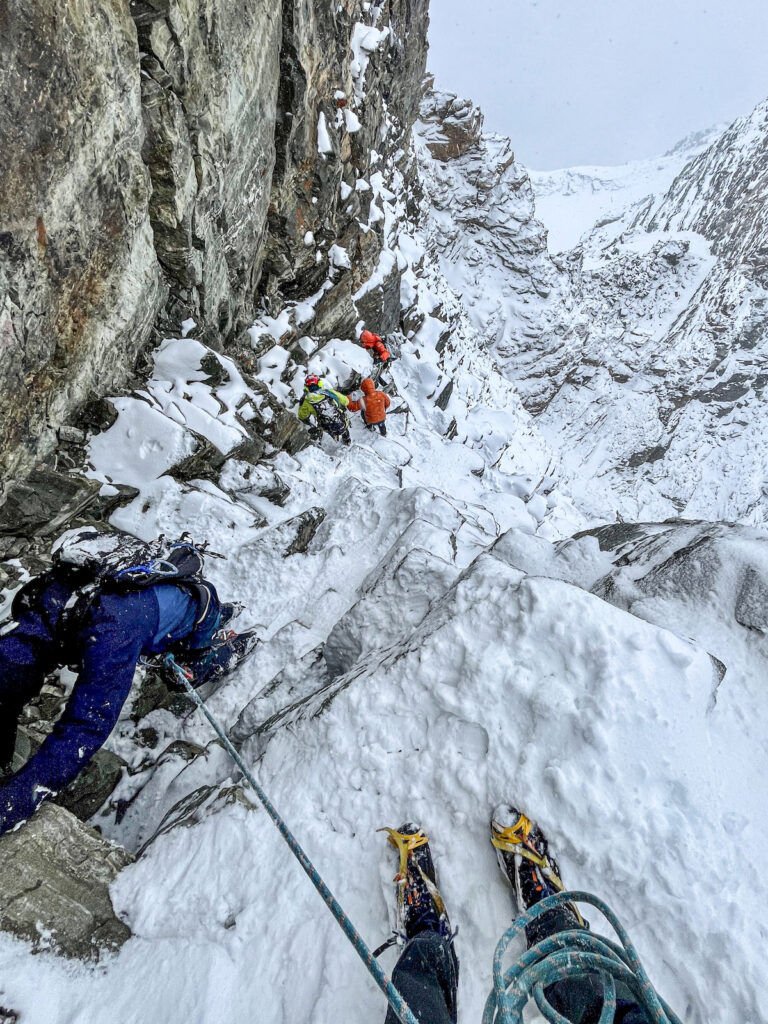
328, 407
107, 600
427, 971
373, 405
374, 343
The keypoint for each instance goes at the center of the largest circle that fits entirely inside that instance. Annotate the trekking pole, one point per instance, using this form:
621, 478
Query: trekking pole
394, 998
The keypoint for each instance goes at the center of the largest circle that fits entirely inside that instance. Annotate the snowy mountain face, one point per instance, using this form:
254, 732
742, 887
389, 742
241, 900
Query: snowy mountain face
642, 362
689, 327
447, 620
573, 201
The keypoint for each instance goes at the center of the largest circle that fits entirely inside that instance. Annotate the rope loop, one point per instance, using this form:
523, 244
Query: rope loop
568, 956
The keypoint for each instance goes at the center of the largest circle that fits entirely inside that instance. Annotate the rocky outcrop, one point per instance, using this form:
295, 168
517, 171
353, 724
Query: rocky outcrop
481, 223
80, 286
168, 159
209, 82
718, 569
451, 126
55, 874
350, 82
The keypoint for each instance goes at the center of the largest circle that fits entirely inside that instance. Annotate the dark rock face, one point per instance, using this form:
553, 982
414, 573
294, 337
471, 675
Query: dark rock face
162, 161
208, 93
55, 874
93, 786
303, 527
363, 80
80, 286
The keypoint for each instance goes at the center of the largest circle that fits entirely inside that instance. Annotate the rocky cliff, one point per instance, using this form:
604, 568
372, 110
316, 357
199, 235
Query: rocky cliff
641, 351
169, 159
664, 398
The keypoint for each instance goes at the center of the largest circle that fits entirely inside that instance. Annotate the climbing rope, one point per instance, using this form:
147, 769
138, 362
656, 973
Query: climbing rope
394, 998
569, 955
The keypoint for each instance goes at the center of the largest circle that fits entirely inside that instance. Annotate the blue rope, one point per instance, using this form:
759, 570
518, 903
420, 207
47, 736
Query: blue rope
569, 955
396, 1001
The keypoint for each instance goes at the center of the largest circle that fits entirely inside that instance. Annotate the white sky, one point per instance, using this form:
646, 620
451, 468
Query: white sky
601, 81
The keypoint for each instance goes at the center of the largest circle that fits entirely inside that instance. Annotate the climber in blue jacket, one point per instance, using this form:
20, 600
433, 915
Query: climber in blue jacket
104, 644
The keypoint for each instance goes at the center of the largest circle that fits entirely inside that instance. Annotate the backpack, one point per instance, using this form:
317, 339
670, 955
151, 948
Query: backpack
93, 561
124, 562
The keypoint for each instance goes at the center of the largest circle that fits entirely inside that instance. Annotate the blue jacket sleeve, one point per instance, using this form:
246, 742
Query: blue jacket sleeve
119, 629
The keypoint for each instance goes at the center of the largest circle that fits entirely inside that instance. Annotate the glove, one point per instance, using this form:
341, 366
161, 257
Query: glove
17, 803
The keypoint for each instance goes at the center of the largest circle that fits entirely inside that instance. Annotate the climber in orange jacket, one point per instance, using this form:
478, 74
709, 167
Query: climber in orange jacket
375, 345
374, 405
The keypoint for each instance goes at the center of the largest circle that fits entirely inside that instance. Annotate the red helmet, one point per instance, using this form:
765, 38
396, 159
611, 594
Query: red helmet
368, 339
312, 382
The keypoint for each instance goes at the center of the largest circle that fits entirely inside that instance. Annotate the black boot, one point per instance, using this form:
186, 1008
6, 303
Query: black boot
525, 861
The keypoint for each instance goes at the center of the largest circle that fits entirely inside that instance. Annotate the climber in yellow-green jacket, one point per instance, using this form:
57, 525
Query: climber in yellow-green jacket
328, 408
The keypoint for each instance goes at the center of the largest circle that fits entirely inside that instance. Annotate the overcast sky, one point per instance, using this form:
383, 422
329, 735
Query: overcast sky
601, 81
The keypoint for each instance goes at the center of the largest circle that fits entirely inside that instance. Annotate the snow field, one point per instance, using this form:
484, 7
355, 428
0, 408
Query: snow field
431, 654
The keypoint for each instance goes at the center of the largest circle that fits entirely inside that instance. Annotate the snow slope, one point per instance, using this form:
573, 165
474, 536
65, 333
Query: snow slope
431, 653
573, 201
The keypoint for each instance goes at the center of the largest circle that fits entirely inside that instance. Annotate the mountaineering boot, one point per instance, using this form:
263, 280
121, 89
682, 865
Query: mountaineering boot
228, 650
427, 971
420, 906
525, 861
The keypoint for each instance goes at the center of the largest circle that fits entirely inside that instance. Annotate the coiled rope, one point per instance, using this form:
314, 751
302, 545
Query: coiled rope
570, 955
394, 998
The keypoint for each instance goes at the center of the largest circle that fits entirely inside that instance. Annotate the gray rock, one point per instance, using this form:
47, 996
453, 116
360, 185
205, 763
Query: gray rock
288, 433
97, 414
752, 601
721, 568
204, 464
217, 374
249, 451
304, 527
380, 307
444, 397
209, 83
203, 801
71, 435
93, 786
55, 874
80, 285
45, 502
155, 694
456, 126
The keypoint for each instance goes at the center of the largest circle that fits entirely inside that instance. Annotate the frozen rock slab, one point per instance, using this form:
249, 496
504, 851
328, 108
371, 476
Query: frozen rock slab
55, 874
720, 569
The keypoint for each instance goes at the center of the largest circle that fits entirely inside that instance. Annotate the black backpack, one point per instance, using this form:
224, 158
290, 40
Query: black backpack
123, 562
91, 561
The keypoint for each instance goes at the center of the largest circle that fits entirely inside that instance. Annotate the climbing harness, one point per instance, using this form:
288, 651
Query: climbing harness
394, 998
569, 955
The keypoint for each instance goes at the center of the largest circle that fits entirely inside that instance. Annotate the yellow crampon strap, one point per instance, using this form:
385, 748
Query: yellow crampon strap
514, 840
404, 842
